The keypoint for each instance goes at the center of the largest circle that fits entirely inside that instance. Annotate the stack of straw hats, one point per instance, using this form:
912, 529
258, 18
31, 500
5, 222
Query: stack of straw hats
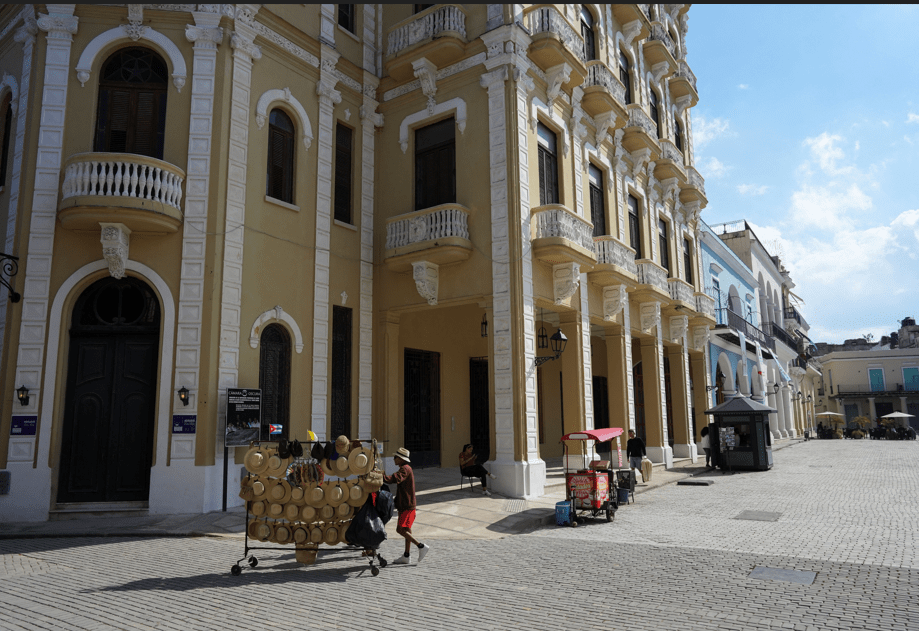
306, 514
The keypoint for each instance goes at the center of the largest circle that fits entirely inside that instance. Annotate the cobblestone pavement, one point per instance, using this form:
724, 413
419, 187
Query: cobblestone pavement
677, 559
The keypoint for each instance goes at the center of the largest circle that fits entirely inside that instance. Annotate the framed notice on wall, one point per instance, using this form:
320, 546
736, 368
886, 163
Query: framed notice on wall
244, 412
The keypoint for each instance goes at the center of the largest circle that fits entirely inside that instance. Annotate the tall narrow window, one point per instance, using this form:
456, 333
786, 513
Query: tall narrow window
587, 33
634, 227
274, 378
677, 134
597, 210
655, 111
280, 180
343, 142
131, 113
687, 260
7, 110
548, 165
435, 164
341, 371
625, 77
665, 250
346, 17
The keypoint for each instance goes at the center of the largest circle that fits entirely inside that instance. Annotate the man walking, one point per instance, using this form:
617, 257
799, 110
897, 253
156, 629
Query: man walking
635, 450
405, 504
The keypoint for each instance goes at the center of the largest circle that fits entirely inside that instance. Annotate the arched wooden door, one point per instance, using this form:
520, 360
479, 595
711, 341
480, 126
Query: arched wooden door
110, 405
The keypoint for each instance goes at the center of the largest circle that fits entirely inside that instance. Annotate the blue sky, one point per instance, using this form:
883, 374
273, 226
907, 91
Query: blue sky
808, 127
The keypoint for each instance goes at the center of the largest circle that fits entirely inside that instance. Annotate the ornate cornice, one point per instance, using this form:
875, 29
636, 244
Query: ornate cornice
243, 45
58, 26
204, 37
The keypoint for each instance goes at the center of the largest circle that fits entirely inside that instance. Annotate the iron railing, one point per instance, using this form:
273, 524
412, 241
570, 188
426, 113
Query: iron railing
738, 323
782, 335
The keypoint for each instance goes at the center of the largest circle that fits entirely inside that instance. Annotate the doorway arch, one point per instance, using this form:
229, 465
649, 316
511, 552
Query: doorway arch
109, 413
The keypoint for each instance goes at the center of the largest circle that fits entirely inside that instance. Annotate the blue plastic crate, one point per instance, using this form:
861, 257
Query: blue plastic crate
563, 513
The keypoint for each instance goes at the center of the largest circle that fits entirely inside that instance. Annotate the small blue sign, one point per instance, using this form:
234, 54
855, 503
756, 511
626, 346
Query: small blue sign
184, 423
24, 426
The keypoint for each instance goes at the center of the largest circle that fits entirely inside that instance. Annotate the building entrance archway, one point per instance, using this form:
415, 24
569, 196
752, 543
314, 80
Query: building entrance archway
110, 400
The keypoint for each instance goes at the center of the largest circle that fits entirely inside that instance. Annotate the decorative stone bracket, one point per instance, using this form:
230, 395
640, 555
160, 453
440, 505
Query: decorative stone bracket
678, 327
650, 316
630, 31
556, 77
426, 73
615, 300
116, 241
700, 337
565, 280
427, 280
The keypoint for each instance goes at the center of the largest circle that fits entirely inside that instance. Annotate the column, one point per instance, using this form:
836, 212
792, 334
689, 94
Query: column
29, 457
683, 440
872, 412
652, 360
329, 97
572, 375
701, 380
388, 425
619, 369
786, 407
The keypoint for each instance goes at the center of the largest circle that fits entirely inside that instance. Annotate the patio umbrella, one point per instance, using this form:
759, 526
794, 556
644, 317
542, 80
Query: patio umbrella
898, 415
830, 414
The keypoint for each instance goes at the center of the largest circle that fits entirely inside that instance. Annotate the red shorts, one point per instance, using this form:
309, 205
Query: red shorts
406, 518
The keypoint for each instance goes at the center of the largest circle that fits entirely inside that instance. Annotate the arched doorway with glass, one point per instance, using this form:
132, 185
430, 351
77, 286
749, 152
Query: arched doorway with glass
110, 400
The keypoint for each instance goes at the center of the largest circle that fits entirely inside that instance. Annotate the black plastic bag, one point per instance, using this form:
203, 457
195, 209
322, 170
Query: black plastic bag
385, 504
366, 529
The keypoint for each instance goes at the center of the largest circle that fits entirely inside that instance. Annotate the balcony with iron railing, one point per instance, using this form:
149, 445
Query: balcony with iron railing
727, 317
795, 318
615, 263
144, 194
783, 336
439, 235
895, 389
560, 236
603, 92
660, 47
437, 33
554, 40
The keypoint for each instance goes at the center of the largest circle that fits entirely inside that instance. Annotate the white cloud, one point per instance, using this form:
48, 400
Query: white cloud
752, 189
912, 118
885, 123
827, 153
705, 130
714, 168
824, 206
743, 86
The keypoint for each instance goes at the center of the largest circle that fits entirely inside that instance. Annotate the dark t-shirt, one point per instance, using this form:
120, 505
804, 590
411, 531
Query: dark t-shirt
405, 487
635, 448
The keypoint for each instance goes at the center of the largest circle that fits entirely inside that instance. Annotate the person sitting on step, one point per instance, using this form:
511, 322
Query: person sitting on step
470, 469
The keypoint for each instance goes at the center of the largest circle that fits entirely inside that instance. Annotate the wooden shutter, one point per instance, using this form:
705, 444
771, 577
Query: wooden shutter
343, 159
280, 164
119, 121
634, 227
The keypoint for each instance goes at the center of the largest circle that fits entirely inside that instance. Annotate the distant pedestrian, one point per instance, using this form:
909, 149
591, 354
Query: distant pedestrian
470, 469
635, 450
706, 446
405, 504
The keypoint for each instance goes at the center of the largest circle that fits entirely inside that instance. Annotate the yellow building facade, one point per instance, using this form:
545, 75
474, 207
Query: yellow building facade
377, 215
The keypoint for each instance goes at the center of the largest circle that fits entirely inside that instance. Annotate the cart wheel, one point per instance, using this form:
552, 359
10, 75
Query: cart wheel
253, 562
383, 562
574, 523
610, 513
236, 570
375, 570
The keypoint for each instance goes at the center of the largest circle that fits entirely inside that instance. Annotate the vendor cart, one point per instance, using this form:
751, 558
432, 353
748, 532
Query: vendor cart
590, 491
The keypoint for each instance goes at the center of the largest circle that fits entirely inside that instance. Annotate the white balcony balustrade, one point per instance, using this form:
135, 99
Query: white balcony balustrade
439, 235
441, 19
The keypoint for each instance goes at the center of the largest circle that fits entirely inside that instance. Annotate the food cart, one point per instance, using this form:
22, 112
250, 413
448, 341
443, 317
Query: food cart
589, 491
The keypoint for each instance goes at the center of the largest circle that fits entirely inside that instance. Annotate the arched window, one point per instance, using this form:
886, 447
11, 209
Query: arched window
655, 111
587, 32
131, 113
7, 110
280, 179
624, 76
677, 133
274, 378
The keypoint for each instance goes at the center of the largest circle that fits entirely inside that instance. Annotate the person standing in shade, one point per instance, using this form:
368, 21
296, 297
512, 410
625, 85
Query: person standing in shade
706, 446
405, 504
635, 450
470, 469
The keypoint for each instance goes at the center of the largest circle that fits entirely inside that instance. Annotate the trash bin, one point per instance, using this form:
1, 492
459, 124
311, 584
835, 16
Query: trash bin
563, 513
623, 496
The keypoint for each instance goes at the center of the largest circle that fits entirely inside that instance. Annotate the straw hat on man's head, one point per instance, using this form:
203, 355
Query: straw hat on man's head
403, 453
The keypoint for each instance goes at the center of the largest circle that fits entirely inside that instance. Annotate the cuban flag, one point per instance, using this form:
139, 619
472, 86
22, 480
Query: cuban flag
275, 429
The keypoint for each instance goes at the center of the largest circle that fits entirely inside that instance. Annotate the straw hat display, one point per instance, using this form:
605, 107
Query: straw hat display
309, 514
277, 466
342, 469
360, 461
316, 534
330, 535
315, 496
326, 513
291, 512
252, 529
259, 490
356, 494
342, 445
328, 468
297, 495
283, 534
334, 493
344, 511
264, 531
341, 532
275, 510
258, 508
279, 491
300, 535
256, 460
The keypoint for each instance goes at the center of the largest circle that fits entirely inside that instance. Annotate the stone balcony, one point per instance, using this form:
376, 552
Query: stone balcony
694, 189
670, 164
615, 264
683, 83
554, 41
559, 237
437, 34
682, 297
604, 93
652, 282
640, 132
704, 311
659, 48
144, 194
625, 14
439, 235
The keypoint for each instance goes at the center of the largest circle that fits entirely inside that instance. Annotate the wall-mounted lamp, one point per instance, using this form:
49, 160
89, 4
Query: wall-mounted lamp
484, 325
797, 396
775, 387
183, 395
559, 341
23, 393
810, 399
710, 388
